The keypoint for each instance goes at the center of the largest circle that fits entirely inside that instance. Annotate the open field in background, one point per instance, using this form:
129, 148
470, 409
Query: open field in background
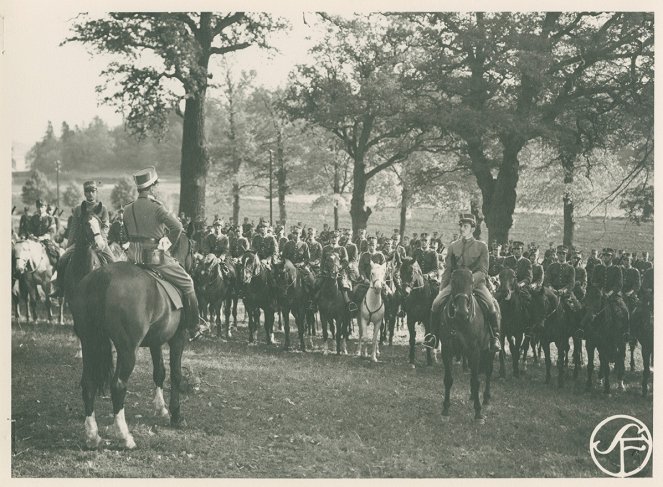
591, 232
262, 412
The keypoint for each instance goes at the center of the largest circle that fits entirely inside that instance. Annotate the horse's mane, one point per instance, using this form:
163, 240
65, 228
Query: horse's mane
461, 281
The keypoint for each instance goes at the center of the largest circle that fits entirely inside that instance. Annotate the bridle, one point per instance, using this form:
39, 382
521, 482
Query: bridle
467, 298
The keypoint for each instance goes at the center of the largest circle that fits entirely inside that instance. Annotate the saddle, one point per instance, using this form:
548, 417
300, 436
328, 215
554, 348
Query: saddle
171, 291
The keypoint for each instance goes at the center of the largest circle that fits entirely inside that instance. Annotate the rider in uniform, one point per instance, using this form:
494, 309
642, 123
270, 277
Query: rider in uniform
614, 282
632, 282
89, 208
561, 277
118, 232
147, 222
343, 281
269, 250
296, 254
430, 263
24, 224
43, 229
580, 289
315, 251
466, 252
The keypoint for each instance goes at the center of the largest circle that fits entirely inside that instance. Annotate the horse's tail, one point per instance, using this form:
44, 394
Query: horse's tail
97, 350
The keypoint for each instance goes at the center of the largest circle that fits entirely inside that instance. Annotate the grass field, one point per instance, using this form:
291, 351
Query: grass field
261, 412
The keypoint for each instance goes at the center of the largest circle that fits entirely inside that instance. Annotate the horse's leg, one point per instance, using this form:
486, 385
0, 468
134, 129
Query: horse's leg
427, 327
226, 313
487, 358
324, 322
620, 365
502, 355
377, 328
447, 357
605, 371
514, 346
285, 311
361, 325
589, 346
126, 360
631, 343
577, 356
646, 353
159, 376
413, 337
562, 359
546, 352
301, 327
524, 348
269, 325
474, 384
89, 387
176, 345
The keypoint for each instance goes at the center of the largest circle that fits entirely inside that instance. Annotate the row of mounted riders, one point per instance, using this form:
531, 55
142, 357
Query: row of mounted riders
530, 315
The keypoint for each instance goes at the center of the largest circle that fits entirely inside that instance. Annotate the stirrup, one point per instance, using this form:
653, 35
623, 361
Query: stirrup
352, 307
430, 341
579, 334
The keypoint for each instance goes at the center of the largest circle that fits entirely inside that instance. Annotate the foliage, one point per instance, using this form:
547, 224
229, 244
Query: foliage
639, 204
72, 195
124, 192
43, 154
38, 186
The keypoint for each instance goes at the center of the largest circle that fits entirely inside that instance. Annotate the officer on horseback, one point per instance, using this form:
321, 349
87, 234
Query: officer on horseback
614, 282
43, 229
147, 222
561, 275
466, 252
344, 283
296, 254
89, 208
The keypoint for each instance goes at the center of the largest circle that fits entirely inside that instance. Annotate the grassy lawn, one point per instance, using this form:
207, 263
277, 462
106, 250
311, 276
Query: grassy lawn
261, 412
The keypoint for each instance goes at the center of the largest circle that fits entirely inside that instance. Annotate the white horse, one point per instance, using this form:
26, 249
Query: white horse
33, 270
372, 311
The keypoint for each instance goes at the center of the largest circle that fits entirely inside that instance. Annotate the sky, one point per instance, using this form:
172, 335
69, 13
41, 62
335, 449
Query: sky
48, 81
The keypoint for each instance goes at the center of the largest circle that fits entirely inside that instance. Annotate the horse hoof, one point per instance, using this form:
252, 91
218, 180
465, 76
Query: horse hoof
162, 413
412, 366
374, 360
129, 443
93, 443
481, 419
179, 422
621, 387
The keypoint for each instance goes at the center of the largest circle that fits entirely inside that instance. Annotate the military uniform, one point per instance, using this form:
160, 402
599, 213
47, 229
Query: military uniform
24, 225
315, 255
269, 249
296, 253
148, 221
365, 260
117, 233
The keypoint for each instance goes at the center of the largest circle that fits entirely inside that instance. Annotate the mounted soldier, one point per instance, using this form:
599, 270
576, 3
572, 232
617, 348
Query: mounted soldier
549, 257
430, 264
42, 227
360, 241
148, 221
561, 277
118, 232
296, 254
373, 255
496, 260
466, 252
315, 251
592, 260
269, 251
247, 228
614, 282
580, 289
632, 282
333, 247
24, 224
89, 208
399, 249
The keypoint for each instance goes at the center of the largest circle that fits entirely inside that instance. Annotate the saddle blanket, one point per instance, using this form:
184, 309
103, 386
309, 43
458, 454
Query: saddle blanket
171, 291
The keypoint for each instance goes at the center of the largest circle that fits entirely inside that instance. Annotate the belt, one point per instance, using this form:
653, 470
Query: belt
135, 238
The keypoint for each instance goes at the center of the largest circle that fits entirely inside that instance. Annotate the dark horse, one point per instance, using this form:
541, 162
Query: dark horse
642, 326
257, 282
418, 295
605, 326
462, 327
122, 305
334, 313
553, 322
215, 285
294, 297
513, 308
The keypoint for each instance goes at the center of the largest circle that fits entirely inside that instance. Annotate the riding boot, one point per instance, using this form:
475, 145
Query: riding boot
349, 304
194, 323
494, 328
58, 284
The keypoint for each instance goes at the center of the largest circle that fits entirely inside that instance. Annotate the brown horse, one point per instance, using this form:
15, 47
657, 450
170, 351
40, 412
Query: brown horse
123, 305
463, 328
642, 327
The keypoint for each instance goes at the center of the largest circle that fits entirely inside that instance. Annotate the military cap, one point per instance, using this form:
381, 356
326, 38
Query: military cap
467, 218
607, 251
146, 177
517, 244
90, 186
371, 237
561, 249
627, 255
425, 236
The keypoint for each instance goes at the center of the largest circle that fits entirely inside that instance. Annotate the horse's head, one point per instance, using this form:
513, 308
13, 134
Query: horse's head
29, 255
331, 264
462, 304
377, 275
543, 304
250, 266
593, 303
507, 284
411, 276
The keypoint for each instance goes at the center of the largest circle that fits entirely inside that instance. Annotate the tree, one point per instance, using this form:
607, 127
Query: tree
182, 45
42, 155
503, 79
123, 192
639, 203
37, 187
354, 90
72, 195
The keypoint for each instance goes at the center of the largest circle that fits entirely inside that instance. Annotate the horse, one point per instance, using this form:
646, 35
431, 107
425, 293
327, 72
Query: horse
32, 269
418, 295
371, 310
642, 328
294, 297
462, 327
121, 305
392, 304
608, 325
551, 323
333, 310
258, 294
215, 286
513, 309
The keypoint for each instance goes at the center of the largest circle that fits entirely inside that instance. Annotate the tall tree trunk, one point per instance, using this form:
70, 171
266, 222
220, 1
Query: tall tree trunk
281, 178
195, 160
358, 210
235, 198
337, 191
569, 207
405, 196
499, 199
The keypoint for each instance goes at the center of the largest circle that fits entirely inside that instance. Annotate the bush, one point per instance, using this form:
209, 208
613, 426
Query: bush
38, 187
123, 192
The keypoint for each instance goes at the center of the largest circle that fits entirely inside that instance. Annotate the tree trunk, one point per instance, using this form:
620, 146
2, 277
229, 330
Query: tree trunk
569, 220
405, 196
281, 178
500, 201
337, 191
358, 210
195, 160
235, 197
